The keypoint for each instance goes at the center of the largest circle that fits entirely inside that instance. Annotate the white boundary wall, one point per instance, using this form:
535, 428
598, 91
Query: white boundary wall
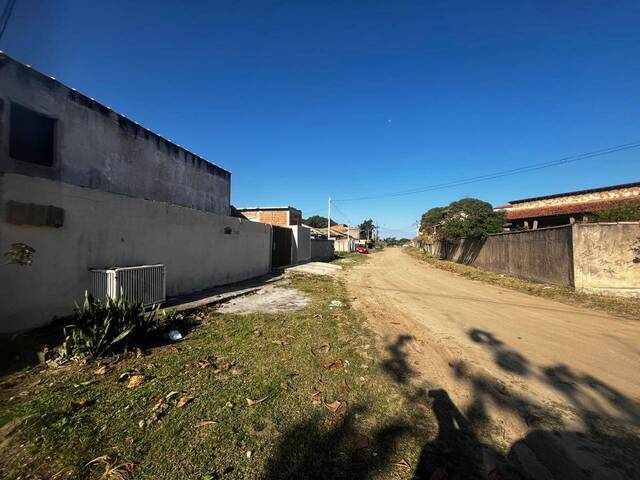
199, 249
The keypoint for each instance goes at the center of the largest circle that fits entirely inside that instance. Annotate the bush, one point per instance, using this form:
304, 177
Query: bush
621, 213
102, 327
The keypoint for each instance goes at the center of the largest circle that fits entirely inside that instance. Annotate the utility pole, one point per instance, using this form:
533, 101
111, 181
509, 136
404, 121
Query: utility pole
329, 221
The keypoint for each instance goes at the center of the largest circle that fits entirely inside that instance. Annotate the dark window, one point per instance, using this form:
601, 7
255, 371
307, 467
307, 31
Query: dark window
31, 136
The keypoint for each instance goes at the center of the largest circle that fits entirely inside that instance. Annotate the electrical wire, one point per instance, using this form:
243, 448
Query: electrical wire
499, 174
6, 15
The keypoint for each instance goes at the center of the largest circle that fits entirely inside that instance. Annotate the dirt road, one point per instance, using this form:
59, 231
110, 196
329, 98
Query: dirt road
531, 365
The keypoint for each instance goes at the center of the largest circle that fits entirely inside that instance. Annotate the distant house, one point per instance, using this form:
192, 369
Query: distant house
566, 208
283, 216
341, 230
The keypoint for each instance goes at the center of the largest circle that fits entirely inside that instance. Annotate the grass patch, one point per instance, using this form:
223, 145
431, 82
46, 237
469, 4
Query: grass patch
352, 259
620, 306
55, 421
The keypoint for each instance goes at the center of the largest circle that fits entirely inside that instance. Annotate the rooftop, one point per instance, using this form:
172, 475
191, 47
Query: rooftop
550, 211
92, 104
577, 192
253, 209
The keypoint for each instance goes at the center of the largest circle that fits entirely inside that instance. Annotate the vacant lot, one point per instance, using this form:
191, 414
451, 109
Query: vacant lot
296, 394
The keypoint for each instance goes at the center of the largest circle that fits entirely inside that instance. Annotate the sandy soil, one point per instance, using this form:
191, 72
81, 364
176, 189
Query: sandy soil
529, 365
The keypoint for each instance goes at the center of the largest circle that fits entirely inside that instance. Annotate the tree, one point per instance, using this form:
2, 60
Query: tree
432, 217
316, 221
367, 228
465, 218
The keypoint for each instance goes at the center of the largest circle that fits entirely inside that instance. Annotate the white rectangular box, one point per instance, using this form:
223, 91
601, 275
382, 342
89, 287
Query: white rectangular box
144, 284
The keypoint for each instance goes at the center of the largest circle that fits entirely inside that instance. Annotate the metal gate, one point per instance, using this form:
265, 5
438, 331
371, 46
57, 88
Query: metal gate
281, 246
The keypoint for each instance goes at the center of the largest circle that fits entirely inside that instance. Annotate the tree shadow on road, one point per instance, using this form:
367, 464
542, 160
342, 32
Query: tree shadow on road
456, 443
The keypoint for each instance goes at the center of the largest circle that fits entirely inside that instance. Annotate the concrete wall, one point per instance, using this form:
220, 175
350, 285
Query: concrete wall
301, 244
606, 258
322, 249
345, 245
96, 147
542, 255
593, 257
104, 229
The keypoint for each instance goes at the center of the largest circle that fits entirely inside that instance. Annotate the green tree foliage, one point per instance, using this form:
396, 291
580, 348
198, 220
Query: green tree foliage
432, 217
621, 213
465, 218
316, 221
367, 228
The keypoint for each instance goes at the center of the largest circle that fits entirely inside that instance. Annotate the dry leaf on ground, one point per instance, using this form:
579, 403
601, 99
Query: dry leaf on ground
337, 363
135, 380
280, 342
326, 346
251, 402
344, 387
206, 423
313, 391
204, 363
334, 406
184, 400
402, 464
102, 370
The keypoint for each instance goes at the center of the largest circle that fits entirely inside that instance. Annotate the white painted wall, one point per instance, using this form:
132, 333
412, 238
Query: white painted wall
345, 245
105, 229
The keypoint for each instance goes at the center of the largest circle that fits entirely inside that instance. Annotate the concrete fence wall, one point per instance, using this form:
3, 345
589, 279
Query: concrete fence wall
345, 245
199, 249
301, 247
322, 249
606, 258
603, 257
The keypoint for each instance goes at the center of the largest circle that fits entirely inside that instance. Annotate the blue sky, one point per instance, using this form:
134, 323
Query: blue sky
302, 100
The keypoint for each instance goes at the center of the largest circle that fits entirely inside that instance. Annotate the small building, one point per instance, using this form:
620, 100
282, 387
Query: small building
567, 208
282, 216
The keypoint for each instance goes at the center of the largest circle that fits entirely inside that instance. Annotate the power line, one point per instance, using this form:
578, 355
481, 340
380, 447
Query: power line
342, 213
6, 15
499, 174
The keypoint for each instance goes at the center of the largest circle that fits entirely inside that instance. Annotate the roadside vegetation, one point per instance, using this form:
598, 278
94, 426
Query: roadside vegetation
465, 218
620, 306
348, 260
297, 394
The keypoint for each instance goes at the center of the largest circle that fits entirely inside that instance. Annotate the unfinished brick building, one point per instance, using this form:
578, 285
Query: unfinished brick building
283, 216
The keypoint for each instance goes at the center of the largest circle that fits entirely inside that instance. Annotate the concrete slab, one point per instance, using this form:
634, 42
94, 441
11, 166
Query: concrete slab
219, 294
316, 268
